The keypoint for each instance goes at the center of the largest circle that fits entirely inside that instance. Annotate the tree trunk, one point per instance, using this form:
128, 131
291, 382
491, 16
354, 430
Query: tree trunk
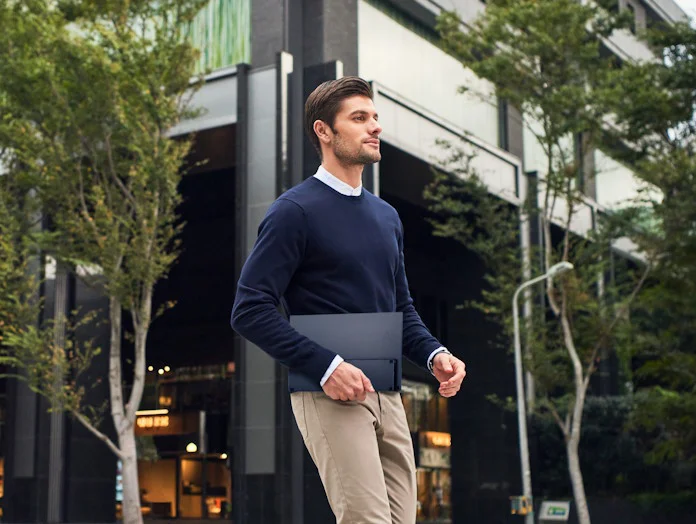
131, 491
115, 376
131, 487
576, 479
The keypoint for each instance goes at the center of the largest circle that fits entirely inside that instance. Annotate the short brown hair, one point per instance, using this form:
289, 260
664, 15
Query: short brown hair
325, 101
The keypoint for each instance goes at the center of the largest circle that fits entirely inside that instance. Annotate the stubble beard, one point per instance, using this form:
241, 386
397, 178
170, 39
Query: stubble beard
351, 158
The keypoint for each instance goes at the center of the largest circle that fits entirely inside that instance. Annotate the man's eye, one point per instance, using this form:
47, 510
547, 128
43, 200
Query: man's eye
359, 118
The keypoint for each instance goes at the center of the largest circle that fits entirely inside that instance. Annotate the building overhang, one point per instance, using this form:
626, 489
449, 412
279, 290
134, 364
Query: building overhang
215, 103
668, 10
417, 131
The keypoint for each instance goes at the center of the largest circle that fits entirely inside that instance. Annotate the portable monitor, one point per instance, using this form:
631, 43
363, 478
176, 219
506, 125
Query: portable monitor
371, 342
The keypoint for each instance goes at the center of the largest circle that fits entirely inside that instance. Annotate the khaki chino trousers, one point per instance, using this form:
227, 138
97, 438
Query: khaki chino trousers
364, 455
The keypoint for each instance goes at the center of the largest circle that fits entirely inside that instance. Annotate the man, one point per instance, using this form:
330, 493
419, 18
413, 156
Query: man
329, 246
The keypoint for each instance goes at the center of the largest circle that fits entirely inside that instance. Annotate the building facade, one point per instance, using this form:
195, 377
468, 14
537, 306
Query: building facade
216, 434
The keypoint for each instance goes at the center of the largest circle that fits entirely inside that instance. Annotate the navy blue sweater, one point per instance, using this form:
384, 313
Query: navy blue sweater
326, 253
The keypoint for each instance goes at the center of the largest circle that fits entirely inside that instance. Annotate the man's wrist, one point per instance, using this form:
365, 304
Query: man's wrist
332, 367
431, 358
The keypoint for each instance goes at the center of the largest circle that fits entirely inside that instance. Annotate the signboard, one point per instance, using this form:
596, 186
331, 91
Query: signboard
554, 510
434, 458
166, 424
437, 439
434, 449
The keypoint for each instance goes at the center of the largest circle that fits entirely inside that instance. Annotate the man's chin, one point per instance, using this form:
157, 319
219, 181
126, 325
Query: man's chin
363, 158
371, 158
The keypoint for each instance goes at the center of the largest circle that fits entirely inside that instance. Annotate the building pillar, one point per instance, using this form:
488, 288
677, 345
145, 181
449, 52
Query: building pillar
55, 470
293, 49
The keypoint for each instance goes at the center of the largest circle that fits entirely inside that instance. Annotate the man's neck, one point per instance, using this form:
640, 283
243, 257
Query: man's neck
351, 175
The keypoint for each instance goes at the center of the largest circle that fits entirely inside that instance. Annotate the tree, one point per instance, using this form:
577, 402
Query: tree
17, 285
544, 58
657, 116
89, 90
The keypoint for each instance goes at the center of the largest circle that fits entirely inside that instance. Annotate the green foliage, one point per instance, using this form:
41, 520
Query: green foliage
466, 212
655, 108
109, 79
89, 90
668, 414
541, 58
17, 287
654, 101
544, 57
666, 503
56, 371
612, 458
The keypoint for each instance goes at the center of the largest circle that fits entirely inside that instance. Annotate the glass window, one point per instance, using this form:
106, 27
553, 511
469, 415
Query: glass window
425, 409
157, 487
217, 493
427, 416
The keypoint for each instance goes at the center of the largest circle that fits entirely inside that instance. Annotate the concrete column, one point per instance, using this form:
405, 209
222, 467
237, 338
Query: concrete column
330, 30
263, 427
269, 30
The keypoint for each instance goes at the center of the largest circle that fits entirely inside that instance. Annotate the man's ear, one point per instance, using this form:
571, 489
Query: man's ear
323, 131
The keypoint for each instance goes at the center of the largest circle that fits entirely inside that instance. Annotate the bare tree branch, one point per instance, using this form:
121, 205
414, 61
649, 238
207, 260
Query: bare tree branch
83, 202
545, 402
112, 169
106, 440
143, 326
619, 314
569, 219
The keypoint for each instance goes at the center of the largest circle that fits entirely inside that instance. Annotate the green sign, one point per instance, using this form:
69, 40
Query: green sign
554, 510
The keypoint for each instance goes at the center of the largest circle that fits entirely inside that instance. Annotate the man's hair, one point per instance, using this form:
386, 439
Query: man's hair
325, 101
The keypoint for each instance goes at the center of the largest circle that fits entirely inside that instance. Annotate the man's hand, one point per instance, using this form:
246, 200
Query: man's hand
449, 371
348, 383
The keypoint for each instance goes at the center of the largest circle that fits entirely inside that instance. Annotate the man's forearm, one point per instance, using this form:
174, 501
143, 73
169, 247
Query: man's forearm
419, 345
263, 325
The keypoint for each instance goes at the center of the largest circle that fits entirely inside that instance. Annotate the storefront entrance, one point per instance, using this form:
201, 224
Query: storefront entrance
426, 412
187, 486
183, 469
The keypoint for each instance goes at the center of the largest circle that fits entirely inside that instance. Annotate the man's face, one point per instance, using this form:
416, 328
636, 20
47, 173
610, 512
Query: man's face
355, 134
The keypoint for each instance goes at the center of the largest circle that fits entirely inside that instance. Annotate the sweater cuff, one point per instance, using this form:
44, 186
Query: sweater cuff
332, 367
441, 349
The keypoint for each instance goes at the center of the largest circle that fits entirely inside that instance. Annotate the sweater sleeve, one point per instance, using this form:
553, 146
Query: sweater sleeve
275, 257
417, 340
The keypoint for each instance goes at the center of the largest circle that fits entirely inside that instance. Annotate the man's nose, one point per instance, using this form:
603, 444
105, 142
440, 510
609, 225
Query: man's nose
375, 129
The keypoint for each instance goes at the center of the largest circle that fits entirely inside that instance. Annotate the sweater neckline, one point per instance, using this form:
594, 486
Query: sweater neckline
351, 198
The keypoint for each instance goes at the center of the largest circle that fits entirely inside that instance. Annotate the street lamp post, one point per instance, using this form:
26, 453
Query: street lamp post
557, 269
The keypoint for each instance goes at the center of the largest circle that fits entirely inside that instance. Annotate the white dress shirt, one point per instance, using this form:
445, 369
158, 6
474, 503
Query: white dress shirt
348, 190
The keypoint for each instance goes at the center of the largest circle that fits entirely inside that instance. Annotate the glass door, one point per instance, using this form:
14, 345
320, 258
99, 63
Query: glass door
205, 488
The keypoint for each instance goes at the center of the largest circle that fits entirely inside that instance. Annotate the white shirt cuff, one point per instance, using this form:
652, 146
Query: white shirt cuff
441, 349
334, 364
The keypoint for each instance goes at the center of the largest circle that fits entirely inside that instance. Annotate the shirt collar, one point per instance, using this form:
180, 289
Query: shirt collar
337, 184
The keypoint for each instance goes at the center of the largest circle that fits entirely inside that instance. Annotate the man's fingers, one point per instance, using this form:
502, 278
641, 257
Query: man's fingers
459, 372
351, 385
450, 387
449, 392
